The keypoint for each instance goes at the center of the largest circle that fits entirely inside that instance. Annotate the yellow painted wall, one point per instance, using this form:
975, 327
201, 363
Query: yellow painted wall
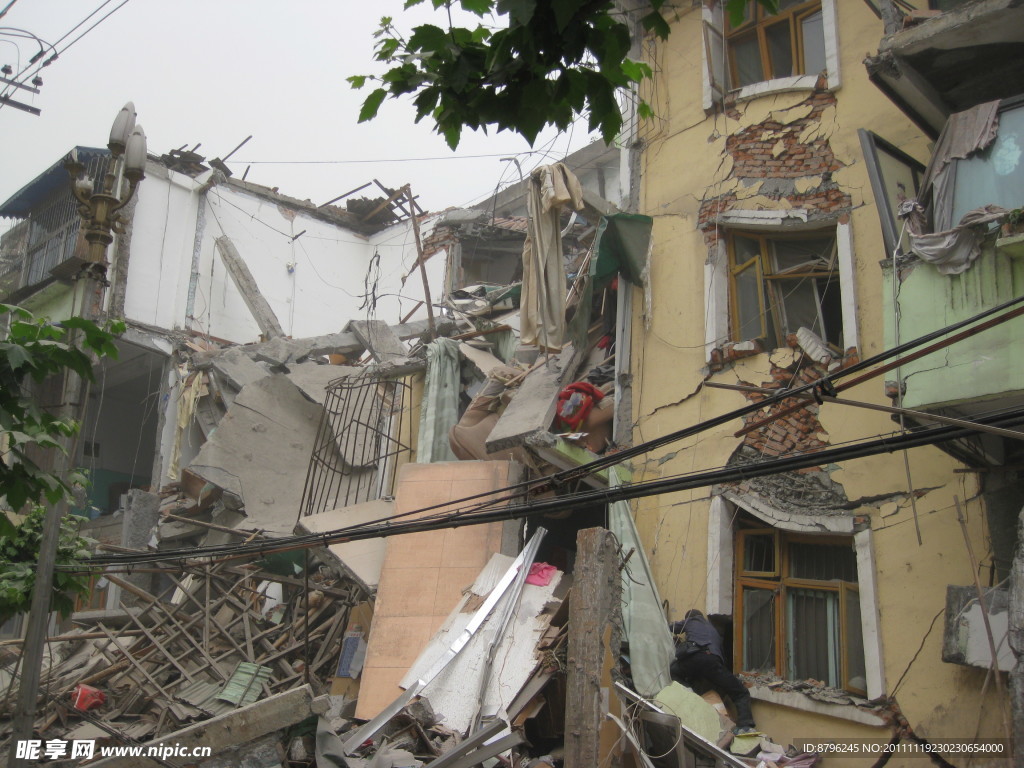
683, 162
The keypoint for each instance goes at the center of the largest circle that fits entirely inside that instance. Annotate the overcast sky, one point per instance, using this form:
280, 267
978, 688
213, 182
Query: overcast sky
215, 71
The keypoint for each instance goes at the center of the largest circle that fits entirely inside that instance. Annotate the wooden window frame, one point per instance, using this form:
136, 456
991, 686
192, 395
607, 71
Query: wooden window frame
766, 277
780, 586
758, 27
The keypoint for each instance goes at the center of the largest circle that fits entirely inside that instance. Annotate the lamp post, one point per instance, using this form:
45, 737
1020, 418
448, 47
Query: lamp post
102, 220
101, 210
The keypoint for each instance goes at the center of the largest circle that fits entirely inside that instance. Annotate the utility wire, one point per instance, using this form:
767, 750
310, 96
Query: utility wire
56, 54
578, 500
389, 527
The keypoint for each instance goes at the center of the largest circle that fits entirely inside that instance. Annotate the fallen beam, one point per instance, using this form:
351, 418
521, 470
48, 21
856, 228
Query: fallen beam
239, 726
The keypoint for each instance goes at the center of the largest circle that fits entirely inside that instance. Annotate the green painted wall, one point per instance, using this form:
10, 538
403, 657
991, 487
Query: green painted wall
981, 367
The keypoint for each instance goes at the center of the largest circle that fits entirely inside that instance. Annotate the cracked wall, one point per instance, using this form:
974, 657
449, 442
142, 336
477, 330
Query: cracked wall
778, 153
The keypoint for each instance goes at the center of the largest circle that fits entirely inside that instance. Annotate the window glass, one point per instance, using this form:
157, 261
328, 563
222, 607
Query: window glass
813, 35
748, 300
811, 606
759, 553
995, 175
747, 58
822, 562
796, 286
758, 629
780, 49
813, 649
768, 46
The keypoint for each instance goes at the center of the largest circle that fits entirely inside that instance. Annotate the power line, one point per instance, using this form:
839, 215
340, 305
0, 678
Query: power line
387, 159
577, 500
56, 54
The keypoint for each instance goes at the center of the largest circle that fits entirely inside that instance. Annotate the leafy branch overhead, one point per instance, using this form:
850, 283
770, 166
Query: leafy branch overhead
544, 63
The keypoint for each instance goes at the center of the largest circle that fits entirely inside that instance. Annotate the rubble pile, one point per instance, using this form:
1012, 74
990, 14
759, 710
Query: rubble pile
219, 638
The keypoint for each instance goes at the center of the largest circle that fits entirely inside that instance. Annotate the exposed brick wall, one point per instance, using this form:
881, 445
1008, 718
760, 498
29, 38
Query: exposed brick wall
443, 236
755, 149
800, 430
771, 152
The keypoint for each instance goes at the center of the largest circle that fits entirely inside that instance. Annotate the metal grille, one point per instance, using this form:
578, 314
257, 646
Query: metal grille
357, 442
54, 226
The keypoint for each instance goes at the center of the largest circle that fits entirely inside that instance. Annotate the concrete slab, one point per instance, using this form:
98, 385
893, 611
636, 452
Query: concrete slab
237, 368
361, 560
261, 450
533, 407
312, 378
382, 342
484, 361
239, 726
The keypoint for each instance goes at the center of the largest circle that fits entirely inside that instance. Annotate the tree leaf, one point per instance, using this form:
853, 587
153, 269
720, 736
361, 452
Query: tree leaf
371, 105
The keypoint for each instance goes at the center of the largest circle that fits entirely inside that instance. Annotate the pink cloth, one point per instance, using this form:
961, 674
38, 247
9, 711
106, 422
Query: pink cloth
541, 574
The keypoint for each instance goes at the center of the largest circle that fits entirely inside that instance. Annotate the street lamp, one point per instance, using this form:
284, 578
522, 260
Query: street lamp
101, 210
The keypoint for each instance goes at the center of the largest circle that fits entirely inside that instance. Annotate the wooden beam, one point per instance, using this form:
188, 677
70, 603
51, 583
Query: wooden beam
593, 647
246, 285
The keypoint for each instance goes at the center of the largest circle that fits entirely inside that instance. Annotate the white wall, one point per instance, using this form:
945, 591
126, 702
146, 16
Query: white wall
314, 283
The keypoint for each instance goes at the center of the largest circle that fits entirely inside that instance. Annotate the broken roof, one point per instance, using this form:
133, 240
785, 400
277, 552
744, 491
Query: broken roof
949, 63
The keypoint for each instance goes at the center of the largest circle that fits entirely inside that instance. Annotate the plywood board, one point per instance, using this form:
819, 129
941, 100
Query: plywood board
424, 574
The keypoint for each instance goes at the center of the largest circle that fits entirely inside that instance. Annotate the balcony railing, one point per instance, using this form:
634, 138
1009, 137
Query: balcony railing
47, 238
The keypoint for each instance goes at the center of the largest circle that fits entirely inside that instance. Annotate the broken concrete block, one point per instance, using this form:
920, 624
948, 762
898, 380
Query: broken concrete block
260, 452
382, 342
360, 560
236, 368
533, 407
312, 378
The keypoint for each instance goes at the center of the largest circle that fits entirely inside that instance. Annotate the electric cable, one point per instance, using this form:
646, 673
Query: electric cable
578, 500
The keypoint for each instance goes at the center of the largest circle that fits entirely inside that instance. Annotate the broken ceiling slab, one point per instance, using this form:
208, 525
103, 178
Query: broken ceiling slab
312, 378
965, 639
484, 361
533, 407
237, 368
282, 351
361, 560
238, 726
560, 453
260, 452
382, 342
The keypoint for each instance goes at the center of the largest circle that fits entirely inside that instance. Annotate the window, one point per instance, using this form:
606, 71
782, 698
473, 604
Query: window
895, 176
798, 608
781, 284
994, 175
769, 46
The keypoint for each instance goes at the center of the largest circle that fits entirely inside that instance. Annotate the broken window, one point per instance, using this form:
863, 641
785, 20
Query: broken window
798, 608
994, 175
781, 284
767, 46
895, 176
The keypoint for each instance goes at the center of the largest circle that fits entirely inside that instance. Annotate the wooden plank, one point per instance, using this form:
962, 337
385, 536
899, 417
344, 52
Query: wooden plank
153, 639
135, 663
